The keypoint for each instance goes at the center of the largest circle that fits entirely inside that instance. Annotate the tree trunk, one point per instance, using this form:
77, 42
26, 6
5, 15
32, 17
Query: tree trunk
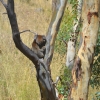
81, 71
71, 45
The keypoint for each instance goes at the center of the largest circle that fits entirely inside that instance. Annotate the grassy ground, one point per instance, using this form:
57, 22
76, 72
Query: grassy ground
17, 73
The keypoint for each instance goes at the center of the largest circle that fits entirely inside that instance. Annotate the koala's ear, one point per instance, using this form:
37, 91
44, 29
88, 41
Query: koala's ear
35, 37
44, 37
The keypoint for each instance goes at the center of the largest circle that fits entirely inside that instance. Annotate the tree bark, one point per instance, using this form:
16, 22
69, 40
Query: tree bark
81, 71
58, 7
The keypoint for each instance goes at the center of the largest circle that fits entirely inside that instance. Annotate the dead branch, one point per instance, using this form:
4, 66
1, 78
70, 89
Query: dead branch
43, 77
58, 7
47, 89
28, 31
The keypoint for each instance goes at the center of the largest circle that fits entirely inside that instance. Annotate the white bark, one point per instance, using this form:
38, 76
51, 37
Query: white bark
70, 58
82, 67
58, 10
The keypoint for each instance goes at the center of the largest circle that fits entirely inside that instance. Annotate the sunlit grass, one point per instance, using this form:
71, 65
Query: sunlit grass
17, 73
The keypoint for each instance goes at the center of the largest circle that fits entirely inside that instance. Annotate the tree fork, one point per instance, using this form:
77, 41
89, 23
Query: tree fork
47, 88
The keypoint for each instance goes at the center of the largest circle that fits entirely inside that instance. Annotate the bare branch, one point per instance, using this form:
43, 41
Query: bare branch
16, 34
57, 79
4, 13
64, 42
58, 10
28, 31
47, 89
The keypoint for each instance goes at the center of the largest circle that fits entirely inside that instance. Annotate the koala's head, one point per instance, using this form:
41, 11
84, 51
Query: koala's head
40, 40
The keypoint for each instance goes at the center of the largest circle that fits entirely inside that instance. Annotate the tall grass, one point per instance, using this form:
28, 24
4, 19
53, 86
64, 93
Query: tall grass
17, 73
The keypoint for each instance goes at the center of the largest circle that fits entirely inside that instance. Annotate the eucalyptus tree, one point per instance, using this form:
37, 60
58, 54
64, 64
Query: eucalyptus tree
81, 71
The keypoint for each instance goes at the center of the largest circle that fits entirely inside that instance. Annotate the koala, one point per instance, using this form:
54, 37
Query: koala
38, 45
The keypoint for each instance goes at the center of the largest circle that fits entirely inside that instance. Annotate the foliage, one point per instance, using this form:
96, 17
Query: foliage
64, 34
95, 78
74, 5
98, 95
65, 29
64, 86
70, 15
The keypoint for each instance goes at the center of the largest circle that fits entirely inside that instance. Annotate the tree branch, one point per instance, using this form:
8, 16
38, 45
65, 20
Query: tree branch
47, 89
58, 7
28, 31
4, 4
16, 34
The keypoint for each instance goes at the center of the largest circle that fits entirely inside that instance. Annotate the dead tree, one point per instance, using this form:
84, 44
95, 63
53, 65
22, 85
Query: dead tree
47, 89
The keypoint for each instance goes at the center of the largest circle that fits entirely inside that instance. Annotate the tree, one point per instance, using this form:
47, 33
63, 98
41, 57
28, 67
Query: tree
47, 87
81, 71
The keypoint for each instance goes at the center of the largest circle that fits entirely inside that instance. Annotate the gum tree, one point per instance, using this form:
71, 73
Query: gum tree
81, 71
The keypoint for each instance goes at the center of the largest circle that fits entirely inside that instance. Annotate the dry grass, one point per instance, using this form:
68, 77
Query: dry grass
17, 73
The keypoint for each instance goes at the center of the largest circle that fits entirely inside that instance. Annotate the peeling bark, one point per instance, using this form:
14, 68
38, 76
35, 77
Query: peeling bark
90, 17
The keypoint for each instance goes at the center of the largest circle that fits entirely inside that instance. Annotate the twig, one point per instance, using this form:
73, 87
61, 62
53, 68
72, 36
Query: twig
4, 13
28, 31
64, 41
56, 82
72, 59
